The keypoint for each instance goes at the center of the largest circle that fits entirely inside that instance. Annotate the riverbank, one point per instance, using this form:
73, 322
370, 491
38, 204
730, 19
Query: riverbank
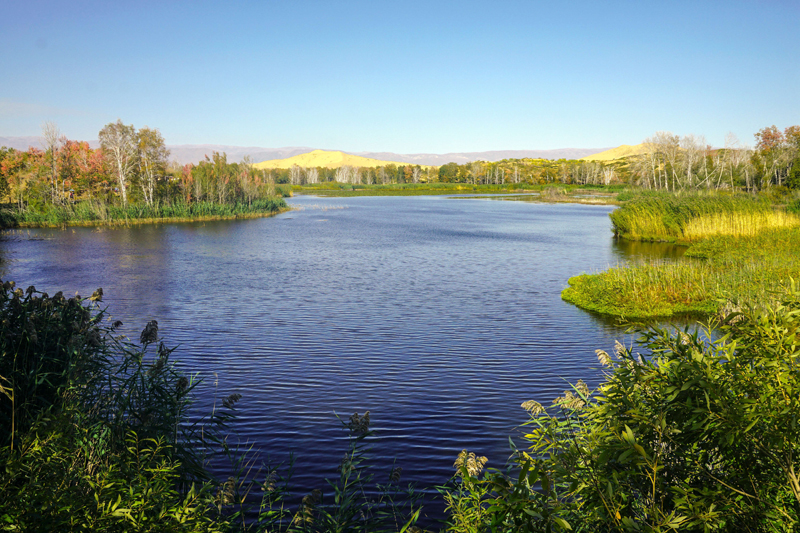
590, 194
101, 214
740, 251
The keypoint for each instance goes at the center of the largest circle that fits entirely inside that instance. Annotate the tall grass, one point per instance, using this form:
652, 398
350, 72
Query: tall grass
689, 217
716, 270
94, 212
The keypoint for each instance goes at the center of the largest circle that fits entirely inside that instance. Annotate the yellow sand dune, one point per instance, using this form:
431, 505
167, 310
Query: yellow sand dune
327, 159
623, 150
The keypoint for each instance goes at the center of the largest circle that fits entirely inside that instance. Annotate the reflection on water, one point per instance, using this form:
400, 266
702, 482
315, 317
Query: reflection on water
439, 317
626, 250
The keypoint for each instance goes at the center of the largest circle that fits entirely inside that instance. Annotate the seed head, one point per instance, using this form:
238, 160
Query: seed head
474, 465
358, 424
583, 388
604, 358
619, 349
231, 400
149, 333
394, 477
533, 407
569, 401
182, 384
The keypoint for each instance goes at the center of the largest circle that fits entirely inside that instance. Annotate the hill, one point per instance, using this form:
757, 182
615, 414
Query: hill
326, 158
623, 150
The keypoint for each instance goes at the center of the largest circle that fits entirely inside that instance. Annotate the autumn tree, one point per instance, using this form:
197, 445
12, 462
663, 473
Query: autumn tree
118, 142
52, 142
152, 160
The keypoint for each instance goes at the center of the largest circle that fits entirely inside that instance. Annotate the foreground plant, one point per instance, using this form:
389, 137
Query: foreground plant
691, 434
95, 436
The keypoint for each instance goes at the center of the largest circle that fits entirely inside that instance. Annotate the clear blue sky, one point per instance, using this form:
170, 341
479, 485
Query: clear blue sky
402, 76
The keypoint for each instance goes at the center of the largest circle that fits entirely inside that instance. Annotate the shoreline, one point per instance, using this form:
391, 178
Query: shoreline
142, 221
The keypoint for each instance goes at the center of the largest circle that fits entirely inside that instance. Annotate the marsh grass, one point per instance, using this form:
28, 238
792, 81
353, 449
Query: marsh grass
89, 213
745, 270
690, 217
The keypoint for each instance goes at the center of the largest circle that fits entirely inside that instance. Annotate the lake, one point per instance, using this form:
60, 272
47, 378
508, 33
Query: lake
440, 316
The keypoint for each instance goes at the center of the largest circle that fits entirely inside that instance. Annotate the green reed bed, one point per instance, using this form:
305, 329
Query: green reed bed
94, 212
716, 270
693, 216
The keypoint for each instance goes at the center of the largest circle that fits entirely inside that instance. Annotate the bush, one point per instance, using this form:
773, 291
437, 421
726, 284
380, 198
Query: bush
691, 434
94, 436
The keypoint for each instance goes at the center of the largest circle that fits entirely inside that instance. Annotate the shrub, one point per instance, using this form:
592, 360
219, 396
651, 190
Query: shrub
95, 436
697, 432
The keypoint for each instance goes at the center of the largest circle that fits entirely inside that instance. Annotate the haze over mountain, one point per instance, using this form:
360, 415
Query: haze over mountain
193, 153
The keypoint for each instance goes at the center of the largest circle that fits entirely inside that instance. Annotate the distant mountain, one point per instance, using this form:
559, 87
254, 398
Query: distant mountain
193, 153
22, 143
327, 159
623, 150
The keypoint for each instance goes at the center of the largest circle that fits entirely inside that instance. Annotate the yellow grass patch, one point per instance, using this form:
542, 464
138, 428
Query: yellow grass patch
737, 224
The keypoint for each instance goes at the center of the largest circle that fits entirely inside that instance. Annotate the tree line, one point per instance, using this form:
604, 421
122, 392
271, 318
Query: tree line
130, 167
671, 162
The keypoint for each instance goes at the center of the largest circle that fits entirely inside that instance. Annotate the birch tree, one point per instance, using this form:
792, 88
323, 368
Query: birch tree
312, 175
153, 155
296, 174
118, 143
52, 143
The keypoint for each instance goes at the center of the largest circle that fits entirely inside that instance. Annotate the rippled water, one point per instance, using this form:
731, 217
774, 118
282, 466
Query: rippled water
438, 316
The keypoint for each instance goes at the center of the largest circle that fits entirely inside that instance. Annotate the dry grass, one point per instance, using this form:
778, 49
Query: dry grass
737, 224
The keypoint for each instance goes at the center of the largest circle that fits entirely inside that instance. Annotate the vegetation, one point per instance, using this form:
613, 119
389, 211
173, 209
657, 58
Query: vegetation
128, 178
688, 434
691, 216
93, 212
693, 431
542, 192
668, 162
95, 436
741, 250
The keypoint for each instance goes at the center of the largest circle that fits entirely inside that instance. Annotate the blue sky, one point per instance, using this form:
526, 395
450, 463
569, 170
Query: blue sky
402, 76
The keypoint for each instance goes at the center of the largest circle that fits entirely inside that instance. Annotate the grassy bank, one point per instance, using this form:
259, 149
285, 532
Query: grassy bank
742, 250
690, 217
414, 189
91, 213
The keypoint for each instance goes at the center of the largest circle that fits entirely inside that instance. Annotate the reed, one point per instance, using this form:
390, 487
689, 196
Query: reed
95, 212
690, 217
743, 270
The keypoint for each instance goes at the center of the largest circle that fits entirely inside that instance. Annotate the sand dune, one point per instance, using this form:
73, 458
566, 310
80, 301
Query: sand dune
327, 159
623, 150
